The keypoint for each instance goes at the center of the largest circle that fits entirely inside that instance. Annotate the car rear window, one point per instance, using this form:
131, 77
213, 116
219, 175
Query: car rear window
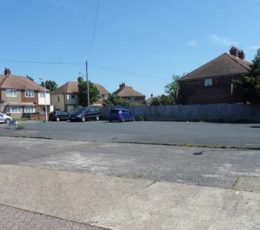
114, 111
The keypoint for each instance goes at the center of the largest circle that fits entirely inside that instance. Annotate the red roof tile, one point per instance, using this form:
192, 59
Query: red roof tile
18, 82
223, 65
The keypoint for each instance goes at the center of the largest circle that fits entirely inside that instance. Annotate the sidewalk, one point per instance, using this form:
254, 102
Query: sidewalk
14, 218
122, 203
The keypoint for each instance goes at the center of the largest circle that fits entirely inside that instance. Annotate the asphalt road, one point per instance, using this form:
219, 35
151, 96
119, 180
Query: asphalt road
196, 166
170, 133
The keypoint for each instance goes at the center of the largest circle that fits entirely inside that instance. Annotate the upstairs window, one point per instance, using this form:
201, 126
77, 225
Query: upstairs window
208, 82
42, 94
29, 93
11, 93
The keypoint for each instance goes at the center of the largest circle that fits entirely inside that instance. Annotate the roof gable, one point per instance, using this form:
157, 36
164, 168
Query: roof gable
223, 65
127, 91
72, 87
19, 82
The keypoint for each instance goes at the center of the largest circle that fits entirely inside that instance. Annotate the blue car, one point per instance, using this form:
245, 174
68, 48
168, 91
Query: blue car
120, 114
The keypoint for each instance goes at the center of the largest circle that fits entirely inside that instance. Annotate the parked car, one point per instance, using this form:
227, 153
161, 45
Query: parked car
85, 113
59, 116
4, 118
121, 114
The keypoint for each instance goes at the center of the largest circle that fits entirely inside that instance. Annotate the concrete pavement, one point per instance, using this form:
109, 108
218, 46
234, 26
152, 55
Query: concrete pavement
124, 203
86, 185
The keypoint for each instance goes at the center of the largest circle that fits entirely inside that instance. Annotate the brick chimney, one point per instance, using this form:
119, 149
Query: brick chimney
241, 55
121, 86
7, 72
234, 51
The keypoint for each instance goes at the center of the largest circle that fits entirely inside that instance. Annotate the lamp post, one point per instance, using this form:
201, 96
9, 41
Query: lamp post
45, 100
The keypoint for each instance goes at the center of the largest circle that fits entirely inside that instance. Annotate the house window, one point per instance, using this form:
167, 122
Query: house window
208, 82
14, 109
42, 94
58, 99
29, 93
29, 109
72, 96
10, 92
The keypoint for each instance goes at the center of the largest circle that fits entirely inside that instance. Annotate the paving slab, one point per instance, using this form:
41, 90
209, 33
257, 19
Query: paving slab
72, 196
124, 203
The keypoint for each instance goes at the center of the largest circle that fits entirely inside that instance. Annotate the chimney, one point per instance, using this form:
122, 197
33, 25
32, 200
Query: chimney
234, 51
241, 55
7, 72
121, 86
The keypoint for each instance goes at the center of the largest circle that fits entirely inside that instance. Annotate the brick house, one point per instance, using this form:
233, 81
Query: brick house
129, 94
212, 83
21, 97
65, 98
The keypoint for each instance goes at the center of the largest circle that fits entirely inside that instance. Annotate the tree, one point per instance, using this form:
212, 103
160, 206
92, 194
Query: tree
173, 87
249, 86
83, 93
116, 100
162, 100
49, 84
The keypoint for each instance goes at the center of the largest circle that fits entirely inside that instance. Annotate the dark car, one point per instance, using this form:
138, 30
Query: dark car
85, 113
58, 116
121, 114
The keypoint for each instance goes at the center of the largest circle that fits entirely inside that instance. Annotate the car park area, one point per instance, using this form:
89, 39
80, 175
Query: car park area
168, 133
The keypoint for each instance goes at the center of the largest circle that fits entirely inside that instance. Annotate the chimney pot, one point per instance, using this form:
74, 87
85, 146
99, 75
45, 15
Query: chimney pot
241, 55
121, 86
7, 72
234, 51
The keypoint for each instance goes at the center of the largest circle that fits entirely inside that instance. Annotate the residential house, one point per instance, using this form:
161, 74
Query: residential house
65, 98
129, 94
212, 83
21, 97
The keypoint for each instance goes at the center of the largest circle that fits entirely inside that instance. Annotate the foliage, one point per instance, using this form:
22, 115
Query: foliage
116, 100
172, 88
49, 84
163, 100
249, 87
19, 127
83, 93
30, 78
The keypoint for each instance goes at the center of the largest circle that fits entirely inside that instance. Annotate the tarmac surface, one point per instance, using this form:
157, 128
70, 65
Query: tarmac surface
79, 177
168, 133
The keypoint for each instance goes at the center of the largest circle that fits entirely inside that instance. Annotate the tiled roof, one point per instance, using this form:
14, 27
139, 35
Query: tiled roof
68, 87
127, 91
223, 65
72, 87
18, 82
102, 90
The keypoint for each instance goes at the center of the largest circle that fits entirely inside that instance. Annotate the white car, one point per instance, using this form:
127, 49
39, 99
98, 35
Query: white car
5, 118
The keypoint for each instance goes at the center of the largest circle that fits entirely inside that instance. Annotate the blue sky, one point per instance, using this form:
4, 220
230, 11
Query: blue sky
139, 42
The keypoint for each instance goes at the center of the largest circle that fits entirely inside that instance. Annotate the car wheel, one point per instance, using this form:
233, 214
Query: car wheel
97, 118
57, 119
83, 119
7, 121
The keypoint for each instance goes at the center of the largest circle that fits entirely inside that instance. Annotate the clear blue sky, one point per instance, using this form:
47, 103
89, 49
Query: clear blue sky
139, 42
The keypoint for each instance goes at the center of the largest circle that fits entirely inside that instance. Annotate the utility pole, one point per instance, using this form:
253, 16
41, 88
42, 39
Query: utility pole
87, 82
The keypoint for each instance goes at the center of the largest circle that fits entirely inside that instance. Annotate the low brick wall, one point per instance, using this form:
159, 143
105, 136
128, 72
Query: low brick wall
211, 112
37, 116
